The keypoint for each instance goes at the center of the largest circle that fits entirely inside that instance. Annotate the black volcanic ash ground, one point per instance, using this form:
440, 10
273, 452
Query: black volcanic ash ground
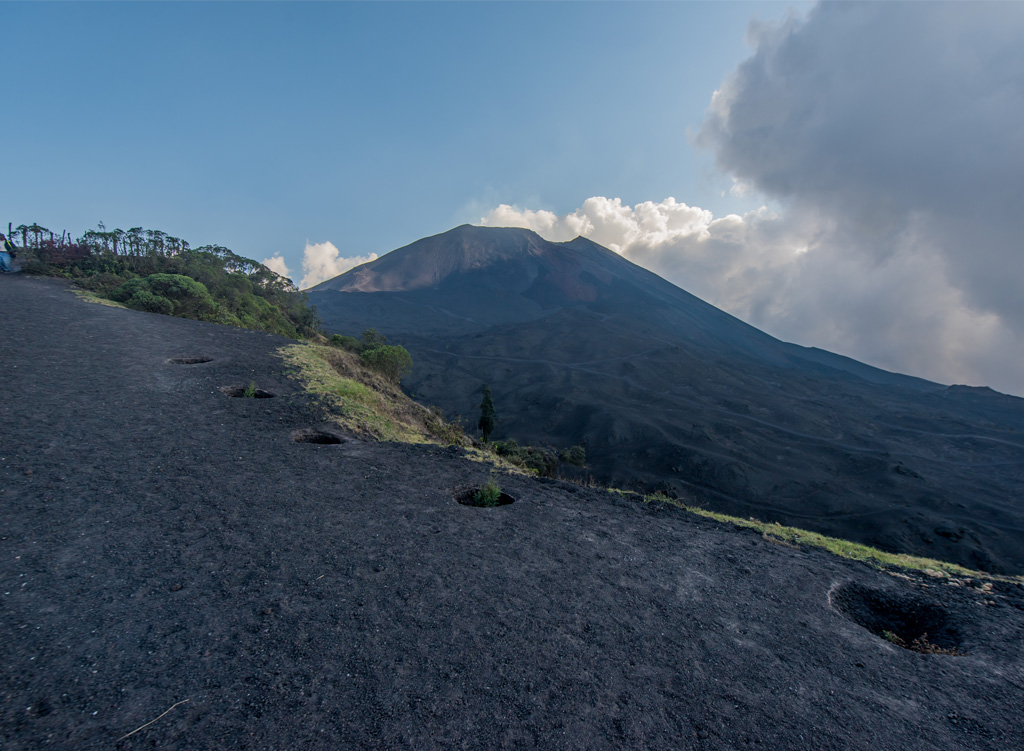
170, 553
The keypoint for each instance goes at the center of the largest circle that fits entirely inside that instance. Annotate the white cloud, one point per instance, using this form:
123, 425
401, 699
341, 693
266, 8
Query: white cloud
322, 261
544, 223
891, 133
277, 265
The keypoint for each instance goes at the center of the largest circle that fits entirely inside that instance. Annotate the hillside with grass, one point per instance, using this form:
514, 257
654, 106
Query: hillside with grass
364, 399
356, 395
664, 392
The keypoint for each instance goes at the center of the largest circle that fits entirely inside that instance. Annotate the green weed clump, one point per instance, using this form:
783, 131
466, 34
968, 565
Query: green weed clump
488, 495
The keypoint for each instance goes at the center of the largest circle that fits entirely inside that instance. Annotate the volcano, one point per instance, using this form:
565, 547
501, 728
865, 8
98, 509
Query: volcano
669, 393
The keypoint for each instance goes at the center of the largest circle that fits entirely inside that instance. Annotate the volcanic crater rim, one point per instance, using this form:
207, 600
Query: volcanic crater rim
246, 391
312, 435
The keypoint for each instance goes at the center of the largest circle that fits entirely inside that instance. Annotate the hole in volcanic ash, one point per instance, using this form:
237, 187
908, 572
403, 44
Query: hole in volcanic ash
309, 435
904, 619
467, 496
244, 391
189, 360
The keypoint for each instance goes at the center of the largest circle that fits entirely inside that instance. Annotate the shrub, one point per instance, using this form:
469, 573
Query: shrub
346, 342
488, 495
486, 422
172, 294
508, 449
102, 283
541, 461
449, 432
371, 339
389, 360
575, 455
143, 299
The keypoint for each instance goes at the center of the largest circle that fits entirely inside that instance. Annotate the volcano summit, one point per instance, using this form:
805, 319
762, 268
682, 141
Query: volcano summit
667, 392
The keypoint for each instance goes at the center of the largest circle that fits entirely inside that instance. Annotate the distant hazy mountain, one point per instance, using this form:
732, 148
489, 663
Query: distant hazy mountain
666, 391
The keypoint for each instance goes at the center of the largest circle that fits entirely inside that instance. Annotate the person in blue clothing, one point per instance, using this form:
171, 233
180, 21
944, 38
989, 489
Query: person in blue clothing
6, 255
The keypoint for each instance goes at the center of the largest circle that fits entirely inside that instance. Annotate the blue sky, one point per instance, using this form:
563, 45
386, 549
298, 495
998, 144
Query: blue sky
261, 125
854, 184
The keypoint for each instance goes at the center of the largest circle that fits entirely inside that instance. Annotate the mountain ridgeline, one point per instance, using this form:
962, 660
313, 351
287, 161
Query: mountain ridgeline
667, 392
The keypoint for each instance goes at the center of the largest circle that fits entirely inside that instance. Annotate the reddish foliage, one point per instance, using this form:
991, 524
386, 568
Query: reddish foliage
56, 253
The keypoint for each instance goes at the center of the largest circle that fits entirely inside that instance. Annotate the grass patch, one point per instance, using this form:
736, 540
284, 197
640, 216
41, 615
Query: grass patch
486, 456
349, 389
794, 537
362, 400
88, 296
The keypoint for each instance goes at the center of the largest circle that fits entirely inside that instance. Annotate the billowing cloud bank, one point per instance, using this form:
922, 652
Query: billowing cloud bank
891, 133
323, 261
320, 262
277, 265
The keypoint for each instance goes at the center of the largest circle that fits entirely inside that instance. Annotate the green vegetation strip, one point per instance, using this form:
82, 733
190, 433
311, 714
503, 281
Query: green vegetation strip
92, 297
793, 536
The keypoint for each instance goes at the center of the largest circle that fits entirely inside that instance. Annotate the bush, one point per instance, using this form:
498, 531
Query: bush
143, 299
541, 461
171, 294
489, 495
346, 342
449, 432
509, 448
389, 360
372, 340
575, 455
102, 283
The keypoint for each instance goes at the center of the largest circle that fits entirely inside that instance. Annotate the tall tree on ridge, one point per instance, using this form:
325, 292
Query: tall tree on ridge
486, 423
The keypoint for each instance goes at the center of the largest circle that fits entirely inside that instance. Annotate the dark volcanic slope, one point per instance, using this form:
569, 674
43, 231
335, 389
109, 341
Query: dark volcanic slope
664, 390
166, 546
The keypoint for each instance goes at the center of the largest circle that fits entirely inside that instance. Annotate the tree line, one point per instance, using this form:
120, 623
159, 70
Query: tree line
147, 270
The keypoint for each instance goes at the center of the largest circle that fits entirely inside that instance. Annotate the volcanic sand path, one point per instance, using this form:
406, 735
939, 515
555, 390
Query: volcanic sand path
173, 563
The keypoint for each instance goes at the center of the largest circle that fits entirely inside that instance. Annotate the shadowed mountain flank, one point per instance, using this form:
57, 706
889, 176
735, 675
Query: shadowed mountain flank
665, 391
